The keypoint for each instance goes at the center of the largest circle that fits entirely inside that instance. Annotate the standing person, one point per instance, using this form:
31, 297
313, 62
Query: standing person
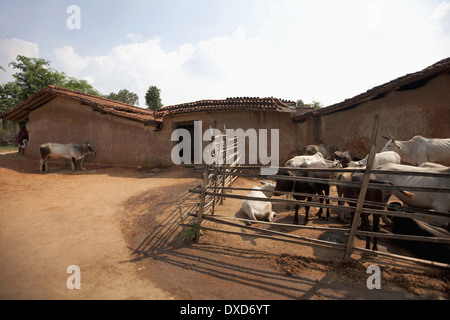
22, 139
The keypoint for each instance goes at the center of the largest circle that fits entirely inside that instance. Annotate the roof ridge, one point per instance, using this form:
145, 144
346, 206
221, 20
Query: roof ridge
429, 71
229, 103
52, 89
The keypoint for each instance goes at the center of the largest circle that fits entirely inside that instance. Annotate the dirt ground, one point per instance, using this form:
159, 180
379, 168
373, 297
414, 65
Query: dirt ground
121, 226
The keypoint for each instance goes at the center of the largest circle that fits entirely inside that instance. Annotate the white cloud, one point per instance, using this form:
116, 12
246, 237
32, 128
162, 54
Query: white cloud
441, 11
9, 49
72, 64
135, 37
330, 55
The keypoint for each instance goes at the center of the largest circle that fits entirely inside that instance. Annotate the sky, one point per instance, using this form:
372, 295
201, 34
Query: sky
193, 50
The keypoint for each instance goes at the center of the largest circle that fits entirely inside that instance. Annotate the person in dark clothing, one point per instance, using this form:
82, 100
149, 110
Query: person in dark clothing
22, 139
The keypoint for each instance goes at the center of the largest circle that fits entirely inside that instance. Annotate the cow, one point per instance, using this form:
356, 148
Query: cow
70, 151
344, 157
373, 195
326, 150
297, 161
419, 150
439, 201
380, 159
260, 210
299, 186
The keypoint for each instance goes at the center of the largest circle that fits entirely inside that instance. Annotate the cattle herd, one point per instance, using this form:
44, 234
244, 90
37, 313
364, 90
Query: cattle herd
418, 155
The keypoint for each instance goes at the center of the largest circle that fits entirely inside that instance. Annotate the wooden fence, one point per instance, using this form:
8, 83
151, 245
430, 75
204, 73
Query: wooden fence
217, 182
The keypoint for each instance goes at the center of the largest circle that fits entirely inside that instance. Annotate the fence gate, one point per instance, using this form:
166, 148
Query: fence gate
218, 179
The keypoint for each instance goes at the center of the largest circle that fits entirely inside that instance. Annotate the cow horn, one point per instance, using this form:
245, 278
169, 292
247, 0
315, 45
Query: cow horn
389, 137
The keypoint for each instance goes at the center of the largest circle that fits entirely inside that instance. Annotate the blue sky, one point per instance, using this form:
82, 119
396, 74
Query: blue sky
212, 49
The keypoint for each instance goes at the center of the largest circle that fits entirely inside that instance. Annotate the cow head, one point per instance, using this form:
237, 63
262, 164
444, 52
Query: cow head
344, 157
89, 149
284, 185
267, 188
391, 145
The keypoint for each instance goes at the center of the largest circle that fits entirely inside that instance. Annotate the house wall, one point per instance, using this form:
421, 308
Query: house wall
240, 120
403, 114
116, 140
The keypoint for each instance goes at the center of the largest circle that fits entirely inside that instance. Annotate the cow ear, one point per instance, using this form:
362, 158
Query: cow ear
339, 154
291, 173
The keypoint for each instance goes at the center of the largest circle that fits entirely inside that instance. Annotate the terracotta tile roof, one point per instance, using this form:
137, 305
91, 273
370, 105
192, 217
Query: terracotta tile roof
409, 81
103, 105
229, 104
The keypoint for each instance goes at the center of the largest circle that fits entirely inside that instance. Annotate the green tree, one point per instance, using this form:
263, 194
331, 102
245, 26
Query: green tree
300, 103
33, 75
79, 85
153, 99
10, 95
125, 96
314, 104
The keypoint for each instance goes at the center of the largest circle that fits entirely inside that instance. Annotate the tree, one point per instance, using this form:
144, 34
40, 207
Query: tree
125, 96
10, 95
314, 104
33, 75
80, 85
300, 103
153, 99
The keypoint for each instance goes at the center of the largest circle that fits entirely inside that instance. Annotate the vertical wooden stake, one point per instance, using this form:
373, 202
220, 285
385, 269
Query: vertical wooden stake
362, 193
202, 203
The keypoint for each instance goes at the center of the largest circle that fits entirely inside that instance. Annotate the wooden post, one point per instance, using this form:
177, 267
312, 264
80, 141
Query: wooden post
202, 203
362, 193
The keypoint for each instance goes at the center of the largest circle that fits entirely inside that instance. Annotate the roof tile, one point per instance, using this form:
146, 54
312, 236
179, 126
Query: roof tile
228, 104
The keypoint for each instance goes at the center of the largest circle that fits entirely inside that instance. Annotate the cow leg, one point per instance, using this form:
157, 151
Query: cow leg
81, 164
319, 213
327, 201
365, 226
45, 153
307, 212
73, 164
297, 207
42, 165
376, 228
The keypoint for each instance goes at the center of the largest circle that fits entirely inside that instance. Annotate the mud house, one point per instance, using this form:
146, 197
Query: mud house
128, 135
235, 113
121, 134
415, 104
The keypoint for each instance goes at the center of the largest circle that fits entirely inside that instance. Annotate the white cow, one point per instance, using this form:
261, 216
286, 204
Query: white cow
380, 159
438, 201
419, 150
260, 210
297, 161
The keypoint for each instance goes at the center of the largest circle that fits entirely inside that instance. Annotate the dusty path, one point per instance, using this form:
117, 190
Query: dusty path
96, 219
51, 221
